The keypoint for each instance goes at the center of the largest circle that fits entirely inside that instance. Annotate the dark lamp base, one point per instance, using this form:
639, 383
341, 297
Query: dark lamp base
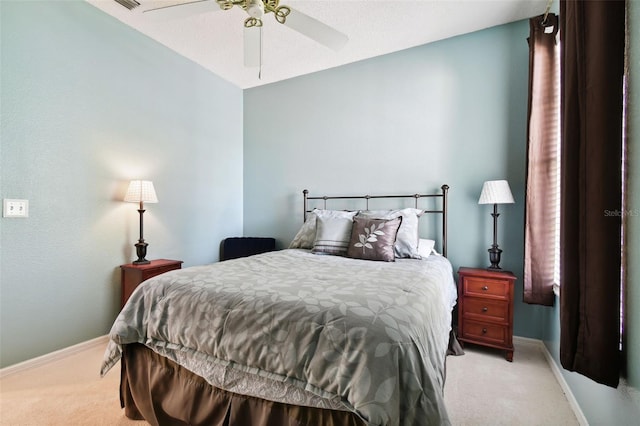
494, 257
141, 251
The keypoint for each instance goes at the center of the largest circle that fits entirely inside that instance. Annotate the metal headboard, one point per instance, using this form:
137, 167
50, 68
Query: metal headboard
443, 211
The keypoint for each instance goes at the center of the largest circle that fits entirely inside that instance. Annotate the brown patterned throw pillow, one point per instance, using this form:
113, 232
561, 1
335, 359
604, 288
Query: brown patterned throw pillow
407, 238
373, 239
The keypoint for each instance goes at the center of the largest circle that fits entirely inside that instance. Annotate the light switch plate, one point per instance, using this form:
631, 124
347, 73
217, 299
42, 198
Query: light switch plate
15, 208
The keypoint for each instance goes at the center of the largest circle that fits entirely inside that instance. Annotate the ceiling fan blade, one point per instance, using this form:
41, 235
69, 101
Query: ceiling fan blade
316, 30
180, 10
253, 46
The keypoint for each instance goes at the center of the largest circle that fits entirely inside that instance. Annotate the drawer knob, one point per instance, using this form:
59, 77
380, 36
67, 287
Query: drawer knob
484, 331
485, 309
485, 288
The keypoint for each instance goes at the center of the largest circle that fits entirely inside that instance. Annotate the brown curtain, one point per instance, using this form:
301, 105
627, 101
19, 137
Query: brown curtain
592, 67
542, 161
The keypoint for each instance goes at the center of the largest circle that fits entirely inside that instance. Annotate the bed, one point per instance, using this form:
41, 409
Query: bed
326, 332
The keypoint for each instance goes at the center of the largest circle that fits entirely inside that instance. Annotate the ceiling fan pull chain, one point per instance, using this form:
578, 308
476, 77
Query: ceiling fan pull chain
260, 66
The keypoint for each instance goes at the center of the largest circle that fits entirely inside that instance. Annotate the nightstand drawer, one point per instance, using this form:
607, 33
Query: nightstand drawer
486, 310
484, 287
485, 332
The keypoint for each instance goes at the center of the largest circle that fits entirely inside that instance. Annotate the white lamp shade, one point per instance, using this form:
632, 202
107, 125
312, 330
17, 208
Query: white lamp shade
141, 190
496, 192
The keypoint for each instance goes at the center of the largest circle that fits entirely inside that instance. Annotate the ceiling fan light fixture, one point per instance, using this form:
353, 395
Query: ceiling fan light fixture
255, 8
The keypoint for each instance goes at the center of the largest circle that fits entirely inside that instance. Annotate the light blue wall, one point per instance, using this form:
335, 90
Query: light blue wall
87, 104
449, 112
600, 404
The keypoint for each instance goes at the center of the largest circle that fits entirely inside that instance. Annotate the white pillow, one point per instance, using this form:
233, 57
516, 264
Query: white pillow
407, 237
306, 236
333, 232
426, 247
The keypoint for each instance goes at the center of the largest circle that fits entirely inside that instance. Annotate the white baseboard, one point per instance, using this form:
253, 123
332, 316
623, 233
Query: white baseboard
582, 420
53, 356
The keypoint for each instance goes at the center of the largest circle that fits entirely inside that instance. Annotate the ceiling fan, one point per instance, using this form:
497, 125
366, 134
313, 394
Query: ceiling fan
256, 9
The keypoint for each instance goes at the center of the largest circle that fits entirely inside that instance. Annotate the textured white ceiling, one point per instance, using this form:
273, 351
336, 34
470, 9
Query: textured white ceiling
374, 27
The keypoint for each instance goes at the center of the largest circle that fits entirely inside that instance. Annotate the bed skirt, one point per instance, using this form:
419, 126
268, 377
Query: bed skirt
155, 389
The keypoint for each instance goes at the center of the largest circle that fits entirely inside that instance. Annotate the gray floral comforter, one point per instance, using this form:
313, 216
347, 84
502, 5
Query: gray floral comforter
370, 335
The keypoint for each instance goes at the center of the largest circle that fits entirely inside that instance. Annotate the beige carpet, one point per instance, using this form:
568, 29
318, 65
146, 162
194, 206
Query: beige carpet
482, 389
65, 392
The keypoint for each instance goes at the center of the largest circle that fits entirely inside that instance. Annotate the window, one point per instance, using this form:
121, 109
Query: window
542, 252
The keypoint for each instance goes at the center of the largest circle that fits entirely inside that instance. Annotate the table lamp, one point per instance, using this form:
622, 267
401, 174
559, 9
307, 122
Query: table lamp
495, 192
141, 191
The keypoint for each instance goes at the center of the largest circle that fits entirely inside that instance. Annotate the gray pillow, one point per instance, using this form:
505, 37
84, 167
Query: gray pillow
307, 234
373, 239
407, 238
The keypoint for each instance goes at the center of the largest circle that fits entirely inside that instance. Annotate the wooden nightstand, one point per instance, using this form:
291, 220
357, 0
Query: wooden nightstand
485, 308
132, 275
